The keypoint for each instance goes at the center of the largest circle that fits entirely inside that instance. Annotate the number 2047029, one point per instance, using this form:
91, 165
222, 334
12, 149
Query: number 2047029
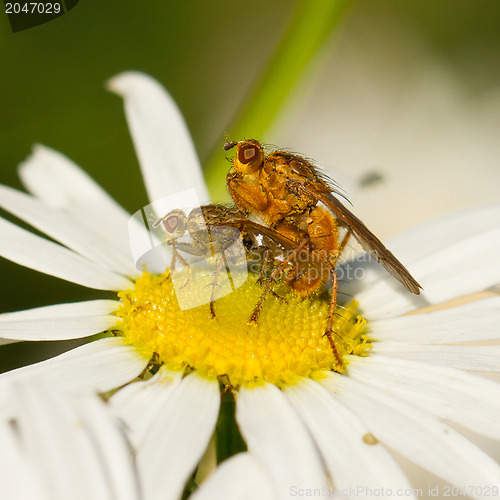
32, 8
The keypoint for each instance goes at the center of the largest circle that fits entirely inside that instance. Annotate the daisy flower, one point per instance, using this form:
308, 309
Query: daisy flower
308, 430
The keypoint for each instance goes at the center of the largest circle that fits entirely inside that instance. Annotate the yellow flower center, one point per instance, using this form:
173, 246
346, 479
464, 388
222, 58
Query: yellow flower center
287, 342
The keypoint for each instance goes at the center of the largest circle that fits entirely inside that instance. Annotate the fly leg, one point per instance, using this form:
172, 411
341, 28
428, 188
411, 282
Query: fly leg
274, 276
176, 255
265, 267
189, 248
343, 244
220, 265
333, 302
331, 314
263, 273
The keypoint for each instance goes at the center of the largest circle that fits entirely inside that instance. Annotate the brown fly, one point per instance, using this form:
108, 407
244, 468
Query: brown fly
282, 192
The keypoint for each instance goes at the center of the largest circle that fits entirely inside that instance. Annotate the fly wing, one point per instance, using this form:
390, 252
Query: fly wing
255, 229
363, 235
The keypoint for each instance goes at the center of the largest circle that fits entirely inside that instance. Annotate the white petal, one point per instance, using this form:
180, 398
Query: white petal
162, 141
469, 266
59, 322
469, 400
473, 358
98, 366
442, 232
56, 329
424, 439
115, 455
139, 403
58, 311
59, 182
277, 438
62, 227
240, 477
27, 249
56, 440
15, 468
339, 435
471, 322
178, 437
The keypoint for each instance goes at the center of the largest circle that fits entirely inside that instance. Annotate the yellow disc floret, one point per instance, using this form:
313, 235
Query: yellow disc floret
288, 341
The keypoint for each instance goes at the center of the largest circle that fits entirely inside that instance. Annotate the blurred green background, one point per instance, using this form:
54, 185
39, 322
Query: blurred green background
208, 55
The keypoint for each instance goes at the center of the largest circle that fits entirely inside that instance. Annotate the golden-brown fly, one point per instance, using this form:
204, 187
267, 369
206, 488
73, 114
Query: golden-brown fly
282, 191
277, 212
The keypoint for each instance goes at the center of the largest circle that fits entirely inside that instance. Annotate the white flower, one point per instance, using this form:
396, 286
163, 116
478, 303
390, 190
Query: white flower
405, 395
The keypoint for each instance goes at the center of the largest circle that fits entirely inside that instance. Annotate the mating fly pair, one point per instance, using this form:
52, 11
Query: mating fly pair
288, 210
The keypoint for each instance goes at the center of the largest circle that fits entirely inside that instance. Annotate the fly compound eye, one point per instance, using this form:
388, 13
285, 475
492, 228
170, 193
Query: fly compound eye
170, 224
247, 153
174, 223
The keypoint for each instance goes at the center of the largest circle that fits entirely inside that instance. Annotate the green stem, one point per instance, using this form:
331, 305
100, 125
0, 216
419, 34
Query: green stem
228, 440
311, 23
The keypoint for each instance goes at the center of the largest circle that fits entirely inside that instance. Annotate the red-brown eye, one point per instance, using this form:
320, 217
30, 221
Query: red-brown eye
247, 153
170, 223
